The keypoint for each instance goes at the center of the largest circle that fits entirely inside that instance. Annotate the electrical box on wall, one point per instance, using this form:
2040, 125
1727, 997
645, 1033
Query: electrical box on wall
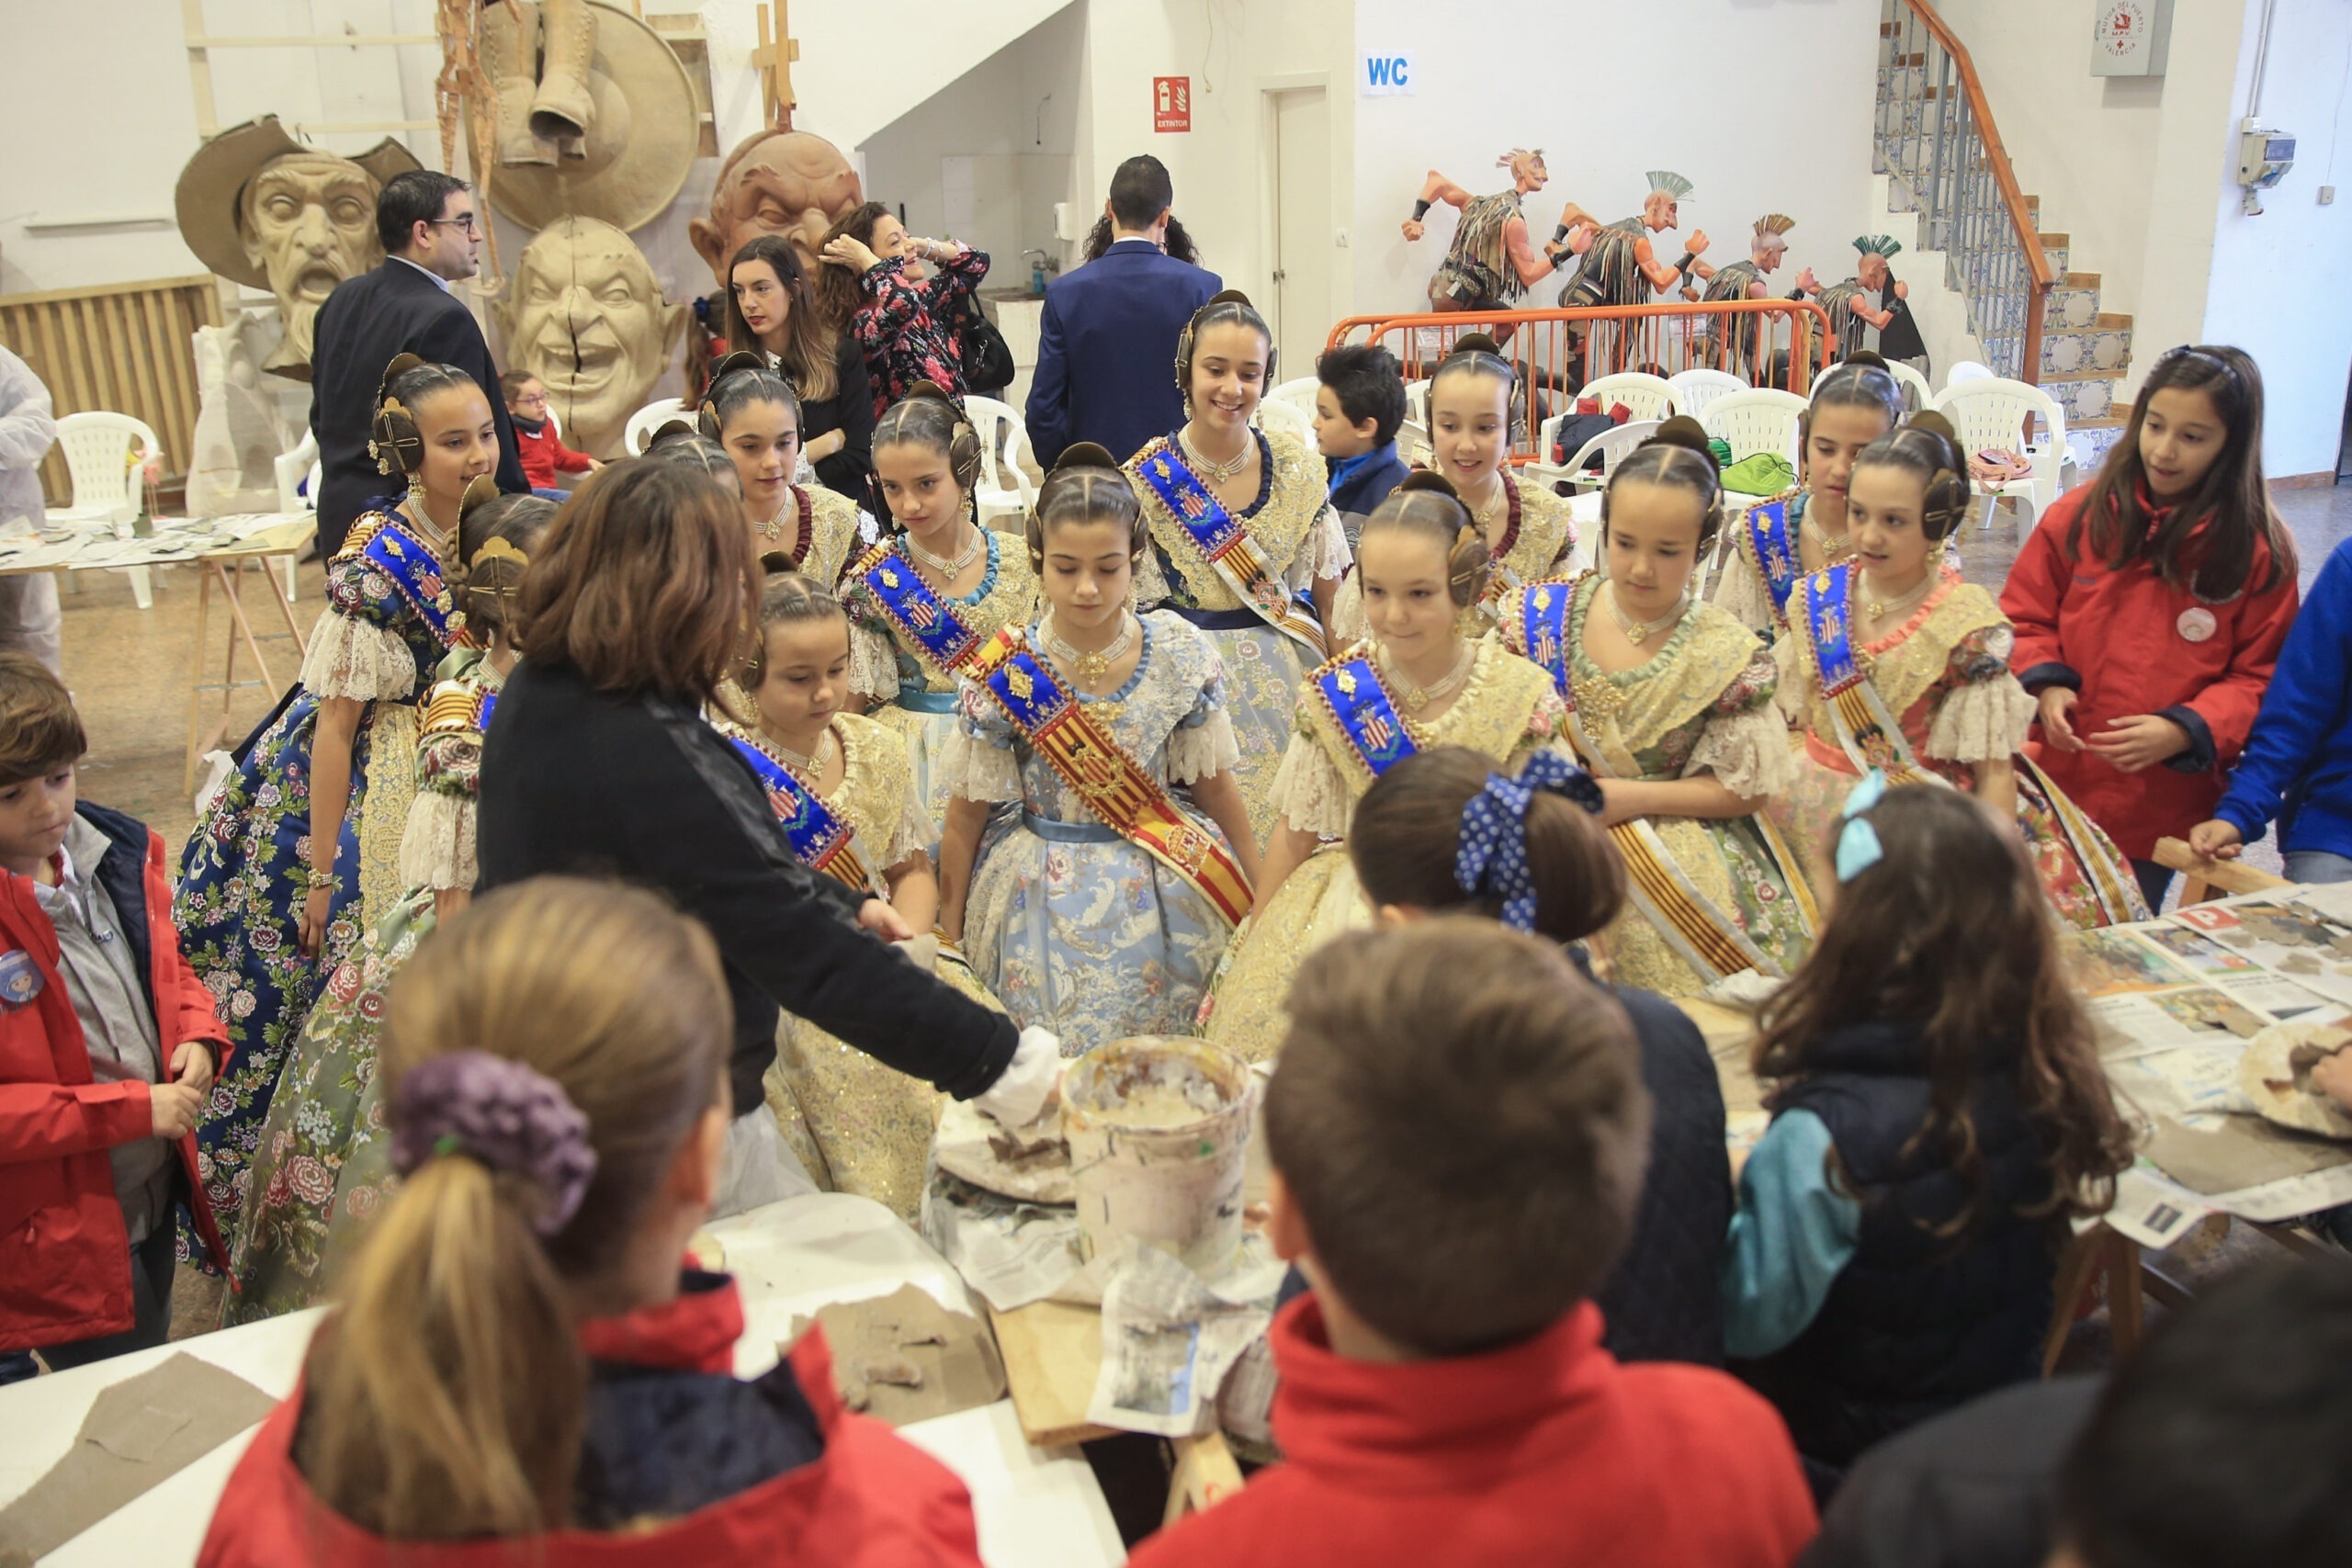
2129, 37
2263, 158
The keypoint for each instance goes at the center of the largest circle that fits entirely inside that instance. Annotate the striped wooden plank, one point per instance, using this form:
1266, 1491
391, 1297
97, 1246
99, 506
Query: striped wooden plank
126, 347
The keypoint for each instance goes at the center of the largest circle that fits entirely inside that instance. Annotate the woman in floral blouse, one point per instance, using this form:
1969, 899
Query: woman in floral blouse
876, 285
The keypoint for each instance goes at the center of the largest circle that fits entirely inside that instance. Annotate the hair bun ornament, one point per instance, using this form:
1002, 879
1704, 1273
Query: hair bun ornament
670, 431
1867, 357
1477, 343
936, 393
402, 362
480, 491
1227, 297
503, 1114
1429, 480
1084, 455
740, 360
1684, 432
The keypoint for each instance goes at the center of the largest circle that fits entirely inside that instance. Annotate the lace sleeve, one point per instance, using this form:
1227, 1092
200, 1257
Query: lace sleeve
1347, 623
914, 835
1739, 590
1151, 583
1324, 553
1308, 789
349, 657
1981, 713
437, 849
1747, 751
873, 664
977, 760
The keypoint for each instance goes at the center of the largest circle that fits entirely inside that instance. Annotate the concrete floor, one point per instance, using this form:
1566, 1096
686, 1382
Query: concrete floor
129, 671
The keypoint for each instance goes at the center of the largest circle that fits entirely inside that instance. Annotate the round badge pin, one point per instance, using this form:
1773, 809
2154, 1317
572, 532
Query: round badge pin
2196, 623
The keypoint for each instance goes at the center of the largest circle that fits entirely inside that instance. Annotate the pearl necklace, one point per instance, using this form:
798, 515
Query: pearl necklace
1831, 549
1902, 604
1485, 514
1419, 697
811, 766
1217, 473
773, 529
1091, 667
946, 569
1638, 632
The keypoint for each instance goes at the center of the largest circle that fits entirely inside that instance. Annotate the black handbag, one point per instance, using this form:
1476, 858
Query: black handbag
987, 359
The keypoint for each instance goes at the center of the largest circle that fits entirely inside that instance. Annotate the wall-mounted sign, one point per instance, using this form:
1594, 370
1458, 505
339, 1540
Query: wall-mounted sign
1171, 103
1385, 76
2129, 38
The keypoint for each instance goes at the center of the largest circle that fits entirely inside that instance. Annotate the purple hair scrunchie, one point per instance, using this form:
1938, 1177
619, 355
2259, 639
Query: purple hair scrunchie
1490, 859
505, 1113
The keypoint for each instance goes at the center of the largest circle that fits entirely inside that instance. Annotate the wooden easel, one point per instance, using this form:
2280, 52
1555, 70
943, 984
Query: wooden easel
775, 57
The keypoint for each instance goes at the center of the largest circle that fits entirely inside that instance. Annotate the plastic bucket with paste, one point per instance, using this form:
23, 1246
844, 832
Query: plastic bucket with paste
1158, 1130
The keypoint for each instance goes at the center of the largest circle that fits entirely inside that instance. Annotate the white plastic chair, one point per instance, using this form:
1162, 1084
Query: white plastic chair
1988, 411
1922, 395
1005, 489
1696, 391
97, 447
1417, 415
1298, 392
1646, 397
1757, 419
1282, 414
1611, 445
1967, 370
639, 432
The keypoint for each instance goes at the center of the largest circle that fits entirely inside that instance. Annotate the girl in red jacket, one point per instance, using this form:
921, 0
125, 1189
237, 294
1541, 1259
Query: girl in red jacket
517, 1354
2150, 606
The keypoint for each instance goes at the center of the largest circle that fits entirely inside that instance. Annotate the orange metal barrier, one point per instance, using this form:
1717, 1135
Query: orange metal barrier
1767, 342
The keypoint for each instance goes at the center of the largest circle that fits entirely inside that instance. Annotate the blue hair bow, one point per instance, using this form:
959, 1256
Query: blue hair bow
1857, 845
1491, 859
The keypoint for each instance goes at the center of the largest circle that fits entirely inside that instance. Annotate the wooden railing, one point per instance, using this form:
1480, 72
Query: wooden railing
1767, 342
1936, 143
126, 347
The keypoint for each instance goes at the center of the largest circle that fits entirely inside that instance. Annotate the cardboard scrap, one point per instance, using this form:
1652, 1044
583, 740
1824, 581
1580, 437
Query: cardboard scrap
903, 1358
138, 1433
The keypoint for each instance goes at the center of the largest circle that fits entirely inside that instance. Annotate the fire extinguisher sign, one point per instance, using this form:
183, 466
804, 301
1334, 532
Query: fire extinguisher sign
1171, 103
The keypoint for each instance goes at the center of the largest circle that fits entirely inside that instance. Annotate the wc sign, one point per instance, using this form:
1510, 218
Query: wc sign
1385, 76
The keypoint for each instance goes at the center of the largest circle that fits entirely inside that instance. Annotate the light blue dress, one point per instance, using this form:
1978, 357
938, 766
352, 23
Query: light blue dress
1074, 928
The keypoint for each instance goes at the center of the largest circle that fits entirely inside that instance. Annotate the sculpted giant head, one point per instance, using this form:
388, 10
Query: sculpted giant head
779, 182
259, 207
586, 315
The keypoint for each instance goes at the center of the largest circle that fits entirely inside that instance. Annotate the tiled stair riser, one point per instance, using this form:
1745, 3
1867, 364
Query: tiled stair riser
2073, 353
2070, 309
2083, 400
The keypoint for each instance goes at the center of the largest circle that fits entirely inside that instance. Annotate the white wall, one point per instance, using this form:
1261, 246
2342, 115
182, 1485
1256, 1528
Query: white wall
1765, 105
2268, 292
1007, 129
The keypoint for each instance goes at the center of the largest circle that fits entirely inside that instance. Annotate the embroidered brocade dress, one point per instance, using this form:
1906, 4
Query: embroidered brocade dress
1944, 674
1700, 705
323, 1167
1506, 711
1539, 541
859, 1126
243, 870
913, 695
1740, 587
1073, 927
1299, 538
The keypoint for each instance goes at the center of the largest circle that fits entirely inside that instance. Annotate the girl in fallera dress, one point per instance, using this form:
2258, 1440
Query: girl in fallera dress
1527, 529
1425, 678
320, 1171
1241, 526
752, 414
1672, 706
923, 604
1099, 908
1899, 665
298, 852
1799, 531
845, 790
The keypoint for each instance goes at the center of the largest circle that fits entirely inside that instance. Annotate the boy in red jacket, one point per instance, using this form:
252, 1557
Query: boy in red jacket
108, 1046
1457, 1129
542, 449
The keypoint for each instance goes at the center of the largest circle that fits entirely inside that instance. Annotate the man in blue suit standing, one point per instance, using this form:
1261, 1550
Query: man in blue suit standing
1106, 351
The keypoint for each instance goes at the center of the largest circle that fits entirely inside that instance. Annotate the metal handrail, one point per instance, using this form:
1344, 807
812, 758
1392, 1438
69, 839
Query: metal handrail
1558, 350
1953, 165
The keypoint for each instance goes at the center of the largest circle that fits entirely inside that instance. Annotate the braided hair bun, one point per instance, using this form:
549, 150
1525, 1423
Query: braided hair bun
1928, 449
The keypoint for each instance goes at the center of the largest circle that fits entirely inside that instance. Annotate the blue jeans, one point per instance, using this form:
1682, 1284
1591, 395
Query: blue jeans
2317, 866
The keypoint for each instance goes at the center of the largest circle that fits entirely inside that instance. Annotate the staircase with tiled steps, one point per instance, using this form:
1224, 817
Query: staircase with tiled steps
2086, 351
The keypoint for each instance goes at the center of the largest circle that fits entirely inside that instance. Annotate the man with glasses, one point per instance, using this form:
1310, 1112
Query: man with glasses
427, 223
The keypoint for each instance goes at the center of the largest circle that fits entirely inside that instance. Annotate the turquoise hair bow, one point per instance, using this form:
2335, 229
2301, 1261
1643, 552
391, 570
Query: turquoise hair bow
1857, 845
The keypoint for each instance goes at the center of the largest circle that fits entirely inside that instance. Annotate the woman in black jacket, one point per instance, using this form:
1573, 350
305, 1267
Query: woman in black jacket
771, 309
597, 763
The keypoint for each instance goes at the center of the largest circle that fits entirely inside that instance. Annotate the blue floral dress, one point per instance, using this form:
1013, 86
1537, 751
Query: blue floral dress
242, 872
1072, 927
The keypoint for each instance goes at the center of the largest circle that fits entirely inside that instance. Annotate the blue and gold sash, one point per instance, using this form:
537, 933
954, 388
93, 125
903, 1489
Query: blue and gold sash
1765, 539
916, 611
1225, 548
386, 543
1363, 712
1543, 629
1115, 787
819, 835
1870, 735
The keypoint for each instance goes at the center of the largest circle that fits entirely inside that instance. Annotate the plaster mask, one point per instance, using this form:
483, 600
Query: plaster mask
308, 222
586, 315
786, 182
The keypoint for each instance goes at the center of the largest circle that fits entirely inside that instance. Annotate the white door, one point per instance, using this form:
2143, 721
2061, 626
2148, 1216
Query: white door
1302, 247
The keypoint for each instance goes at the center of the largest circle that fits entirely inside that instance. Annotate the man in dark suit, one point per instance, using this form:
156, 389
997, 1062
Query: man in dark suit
1106, 351
427, 223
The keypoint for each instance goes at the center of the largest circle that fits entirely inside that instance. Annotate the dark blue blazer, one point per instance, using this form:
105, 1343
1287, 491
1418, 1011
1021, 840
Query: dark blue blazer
1106, 351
